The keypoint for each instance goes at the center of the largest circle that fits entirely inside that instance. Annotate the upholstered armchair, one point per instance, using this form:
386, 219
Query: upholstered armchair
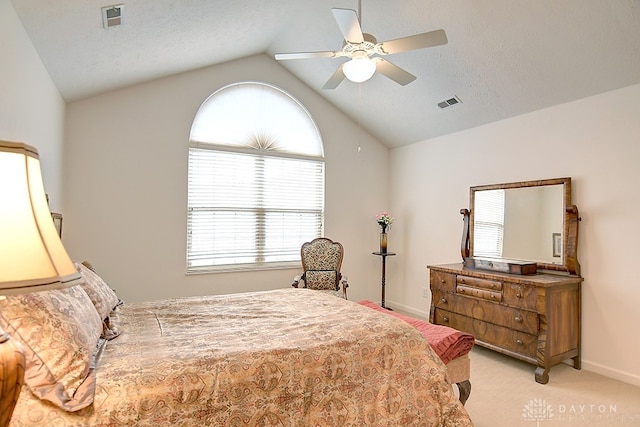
321, 262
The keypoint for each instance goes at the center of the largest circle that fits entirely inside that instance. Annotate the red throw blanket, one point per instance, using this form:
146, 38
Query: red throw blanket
448, 343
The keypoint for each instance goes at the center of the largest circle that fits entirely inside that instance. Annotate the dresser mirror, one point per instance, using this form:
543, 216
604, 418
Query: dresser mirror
517, 223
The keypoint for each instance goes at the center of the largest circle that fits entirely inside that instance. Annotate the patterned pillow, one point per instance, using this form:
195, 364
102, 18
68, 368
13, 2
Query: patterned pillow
59, 330
102, 296
320, 279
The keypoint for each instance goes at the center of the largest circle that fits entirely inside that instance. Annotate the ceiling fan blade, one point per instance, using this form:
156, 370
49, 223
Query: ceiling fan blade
335, 79
305, 55
419, 41
347, 20
394, 72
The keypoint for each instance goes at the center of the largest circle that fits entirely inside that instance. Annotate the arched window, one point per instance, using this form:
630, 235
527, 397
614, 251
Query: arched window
256, 180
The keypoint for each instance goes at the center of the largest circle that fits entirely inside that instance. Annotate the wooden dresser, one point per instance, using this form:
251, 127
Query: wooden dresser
535, 318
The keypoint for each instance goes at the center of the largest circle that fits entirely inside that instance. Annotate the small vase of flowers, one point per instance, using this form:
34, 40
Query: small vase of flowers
384, 220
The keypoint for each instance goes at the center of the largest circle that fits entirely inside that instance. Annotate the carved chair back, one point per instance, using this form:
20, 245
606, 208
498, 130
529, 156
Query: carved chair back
321, 262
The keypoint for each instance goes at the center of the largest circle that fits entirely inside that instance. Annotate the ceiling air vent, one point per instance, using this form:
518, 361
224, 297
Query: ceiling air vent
449, 102
112, 15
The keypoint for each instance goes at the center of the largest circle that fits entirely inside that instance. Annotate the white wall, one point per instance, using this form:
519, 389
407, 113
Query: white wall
126, 184
596, 142
31, 108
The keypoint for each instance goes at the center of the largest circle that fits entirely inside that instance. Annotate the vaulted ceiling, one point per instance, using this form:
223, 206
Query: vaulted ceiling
503, 57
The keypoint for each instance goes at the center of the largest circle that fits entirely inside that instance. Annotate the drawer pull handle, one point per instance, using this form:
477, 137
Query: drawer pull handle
519, 342
493, 296
443, 300
518, 295
445, 319
461, 280
518, 319
443, 281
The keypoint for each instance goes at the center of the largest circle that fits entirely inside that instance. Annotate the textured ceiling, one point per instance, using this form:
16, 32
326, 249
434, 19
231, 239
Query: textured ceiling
504, 57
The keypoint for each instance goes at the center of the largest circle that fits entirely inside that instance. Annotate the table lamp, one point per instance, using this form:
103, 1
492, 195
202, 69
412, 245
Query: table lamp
32, 257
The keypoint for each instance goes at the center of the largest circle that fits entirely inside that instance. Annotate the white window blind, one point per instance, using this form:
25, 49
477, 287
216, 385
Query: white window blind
488, 226
251, 209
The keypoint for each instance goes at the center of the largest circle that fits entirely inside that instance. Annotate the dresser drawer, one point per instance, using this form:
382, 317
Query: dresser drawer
443, 281
508, 339
479, 293
493, 285
518, 295
513, 318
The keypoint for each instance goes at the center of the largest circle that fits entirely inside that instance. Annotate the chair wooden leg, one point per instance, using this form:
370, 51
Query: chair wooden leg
465, 390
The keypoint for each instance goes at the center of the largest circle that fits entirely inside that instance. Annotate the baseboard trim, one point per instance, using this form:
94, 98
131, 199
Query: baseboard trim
609, 372
412, 311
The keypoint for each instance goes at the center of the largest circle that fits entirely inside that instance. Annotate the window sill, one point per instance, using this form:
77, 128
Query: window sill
232, 268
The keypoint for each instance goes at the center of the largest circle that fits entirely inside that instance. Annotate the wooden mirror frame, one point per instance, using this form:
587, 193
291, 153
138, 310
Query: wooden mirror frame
570, 262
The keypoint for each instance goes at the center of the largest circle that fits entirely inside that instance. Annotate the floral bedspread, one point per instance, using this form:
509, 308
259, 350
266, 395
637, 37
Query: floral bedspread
290, 357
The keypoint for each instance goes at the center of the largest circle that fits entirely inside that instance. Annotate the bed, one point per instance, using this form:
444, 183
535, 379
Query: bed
289, 357
451, 345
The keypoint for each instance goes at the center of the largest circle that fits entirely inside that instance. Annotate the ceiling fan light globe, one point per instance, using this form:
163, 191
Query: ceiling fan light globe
359, 70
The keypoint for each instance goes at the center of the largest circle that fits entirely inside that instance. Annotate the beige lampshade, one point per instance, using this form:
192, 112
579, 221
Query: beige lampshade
32, 257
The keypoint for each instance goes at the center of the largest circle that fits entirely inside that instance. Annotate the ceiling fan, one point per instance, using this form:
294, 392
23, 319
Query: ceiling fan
366, 53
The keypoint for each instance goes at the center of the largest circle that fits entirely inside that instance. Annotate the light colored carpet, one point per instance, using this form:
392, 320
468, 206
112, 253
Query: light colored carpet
504, 393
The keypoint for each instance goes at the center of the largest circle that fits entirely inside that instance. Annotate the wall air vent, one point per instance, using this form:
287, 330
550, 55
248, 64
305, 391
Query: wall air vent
112, 15
449, 102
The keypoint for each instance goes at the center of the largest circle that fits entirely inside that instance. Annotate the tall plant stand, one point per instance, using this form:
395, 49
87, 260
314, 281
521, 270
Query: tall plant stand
384, 256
